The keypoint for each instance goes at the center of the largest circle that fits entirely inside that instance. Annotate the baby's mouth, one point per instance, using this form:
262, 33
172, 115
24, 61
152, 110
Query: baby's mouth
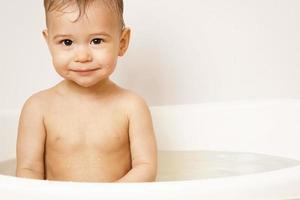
85, 70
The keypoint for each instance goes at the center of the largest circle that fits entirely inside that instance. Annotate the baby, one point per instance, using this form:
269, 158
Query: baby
86, 128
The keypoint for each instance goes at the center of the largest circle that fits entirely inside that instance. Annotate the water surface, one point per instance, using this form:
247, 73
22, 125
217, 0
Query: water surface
192, 165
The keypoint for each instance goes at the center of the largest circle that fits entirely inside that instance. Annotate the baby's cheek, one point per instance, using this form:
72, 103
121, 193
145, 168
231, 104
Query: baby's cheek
60, 61
61, 64
107, 61
111, 65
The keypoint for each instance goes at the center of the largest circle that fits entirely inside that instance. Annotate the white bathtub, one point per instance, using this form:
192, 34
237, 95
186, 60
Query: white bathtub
265, 127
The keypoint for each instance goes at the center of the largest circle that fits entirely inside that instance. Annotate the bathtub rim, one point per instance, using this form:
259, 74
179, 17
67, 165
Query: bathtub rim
244, 183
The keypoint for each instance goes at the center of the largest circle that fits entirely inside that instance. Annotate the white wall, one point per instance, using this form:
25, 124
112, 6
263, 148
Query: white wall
181, 51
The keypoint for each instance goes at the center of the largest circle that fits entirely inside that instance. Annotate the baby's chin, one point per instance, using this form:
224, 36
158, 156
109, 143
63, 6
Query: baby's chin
87, 84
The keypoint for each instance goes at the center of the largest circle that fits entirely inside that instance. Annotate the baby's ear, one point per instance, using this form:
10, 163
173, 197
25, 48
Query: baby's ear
124, 41
45, 35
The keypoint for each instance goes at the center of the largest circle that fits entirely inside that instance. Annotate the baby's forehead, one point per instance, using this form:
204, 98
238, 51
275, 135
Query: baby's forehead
92, 11
89, 10
96, 19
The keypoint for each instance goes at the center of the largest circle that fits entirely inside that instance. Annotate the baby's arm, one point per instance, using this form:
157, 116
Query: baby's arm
31, 140
142, 143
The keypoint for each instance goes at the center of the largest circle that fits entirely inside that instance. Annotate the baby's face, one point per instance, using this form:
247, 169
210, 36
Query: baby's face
85, 51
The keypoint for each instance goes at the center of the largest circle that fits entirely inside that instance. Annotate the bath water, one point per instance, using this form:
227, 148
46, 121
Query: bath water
192, 165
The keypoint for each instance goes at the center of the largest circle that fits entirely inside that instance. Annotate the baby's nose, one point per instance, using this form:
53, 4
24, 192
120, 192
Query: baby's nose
83, 54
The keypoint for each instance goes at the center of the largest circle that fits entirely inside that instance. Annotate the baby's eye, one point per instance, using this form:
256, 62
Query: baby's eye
67, 42
97, 41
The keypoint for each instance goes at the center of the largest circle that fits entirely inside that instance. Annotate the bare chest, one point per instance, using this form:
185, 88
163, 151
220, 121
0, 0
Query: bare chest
77, 129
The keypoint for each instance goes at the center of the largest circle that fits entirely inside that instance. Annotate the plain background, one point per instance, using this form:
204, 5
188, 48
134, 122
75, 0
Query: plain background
181, 52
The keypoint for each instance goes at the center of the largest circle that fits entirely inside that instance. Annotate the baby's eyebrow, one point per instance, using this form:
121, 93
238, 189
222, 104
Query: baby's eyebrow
101, 33
91, 35
61, 36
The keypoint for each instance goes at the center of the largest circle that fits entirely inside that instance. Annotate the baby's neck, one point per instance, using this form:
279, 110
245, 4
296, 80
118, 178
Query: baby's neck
100, 89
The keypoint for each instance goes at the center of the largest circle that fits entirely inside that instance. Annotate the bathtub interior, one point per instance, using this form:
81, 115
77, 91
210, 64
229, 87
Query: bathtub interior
8, 133
264, 126
240, 133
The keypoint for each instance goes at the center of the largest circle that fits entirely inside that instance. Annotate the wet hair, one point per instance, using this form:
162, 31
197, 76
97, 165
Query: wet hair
59, 5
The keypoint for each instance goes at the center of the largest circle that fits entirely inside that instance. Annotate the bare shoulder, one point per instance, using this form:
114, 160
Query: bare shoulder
133, 102
37, 102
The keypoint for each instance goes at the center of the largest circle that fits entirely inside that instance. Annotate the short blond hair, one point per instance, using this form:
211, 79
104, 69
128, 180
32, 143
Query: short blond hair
58, 5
